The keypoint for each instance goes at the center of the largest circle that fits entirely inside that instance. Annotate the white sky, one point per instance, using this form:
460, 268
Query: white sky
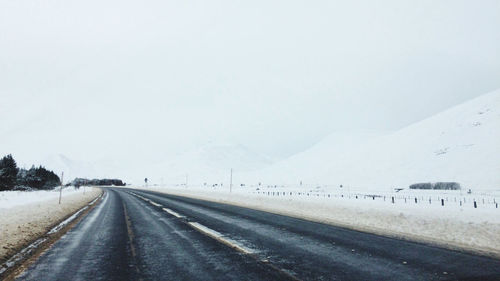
142, 79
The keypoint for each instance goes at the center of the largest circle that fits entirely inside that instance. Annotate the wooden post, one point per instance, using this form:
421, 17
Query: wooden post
231, 182
60, 191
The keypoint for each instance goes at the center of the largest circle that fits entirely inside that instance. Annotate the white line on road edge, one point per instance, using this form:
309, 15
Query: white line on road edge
219, 237
30, 248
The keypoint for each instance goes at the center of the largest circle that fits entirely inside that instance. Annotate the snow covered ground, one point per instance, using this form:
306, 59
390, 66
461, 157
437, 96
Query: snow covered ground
25, 216
11, 199
457, 224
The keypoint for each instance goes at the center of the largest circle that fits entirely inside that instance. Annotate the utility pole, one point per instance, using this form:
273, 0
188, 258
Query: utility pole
231, 182
60, 191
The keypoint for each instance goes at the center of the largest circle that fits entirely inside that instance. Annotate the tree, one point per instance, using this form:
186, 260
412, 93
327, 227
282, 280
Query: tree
8, 173
39, 178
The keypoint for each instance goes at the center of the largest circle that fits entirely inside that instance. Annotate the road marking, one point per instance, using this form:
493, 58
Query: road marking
173, 213
154, 204
205, 230
147, 200
219, 237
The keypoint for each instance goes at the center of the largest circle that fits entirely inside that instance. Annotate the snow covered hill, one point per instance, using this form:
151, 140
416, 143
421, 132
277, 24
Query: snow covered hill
210, 163
71, 168
460, 144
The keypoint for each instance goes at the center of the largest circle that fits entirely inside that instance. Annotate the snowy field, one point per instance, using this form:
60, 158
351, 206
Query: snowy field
457, 224
10, 199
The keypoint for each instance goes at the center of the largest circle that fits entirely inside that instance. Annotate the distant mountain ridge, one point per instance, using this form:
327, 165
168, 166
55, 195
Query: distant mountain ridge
459, 144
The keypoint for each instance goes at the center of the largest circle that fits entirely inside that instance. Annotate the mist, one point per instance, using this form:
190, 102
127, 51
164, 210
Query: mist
139, 82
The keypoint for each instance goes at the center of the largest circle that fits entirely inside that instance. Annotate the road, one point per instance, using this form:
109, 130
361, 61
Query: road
144, 235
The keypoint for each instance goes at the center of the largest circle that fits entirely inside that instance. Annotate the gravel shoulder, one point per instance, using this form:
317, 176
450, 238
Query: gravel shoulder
24, 223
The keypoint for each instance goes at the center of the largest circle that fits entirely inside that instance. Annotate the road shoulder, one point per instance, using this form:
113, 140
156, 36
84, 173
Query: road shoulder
23, 224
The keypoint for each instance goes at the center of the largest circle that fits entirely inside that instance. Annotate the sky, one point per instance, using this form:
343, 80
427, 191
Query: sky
138, 81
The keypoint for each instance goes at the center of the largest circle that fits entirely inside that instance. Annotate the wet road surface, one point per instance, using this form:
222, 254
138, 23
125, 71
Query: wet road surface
134, 235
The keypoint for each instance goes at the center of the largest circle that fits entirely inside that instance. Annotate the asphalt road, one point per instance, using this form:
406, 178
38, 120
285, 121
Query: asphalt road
134, 235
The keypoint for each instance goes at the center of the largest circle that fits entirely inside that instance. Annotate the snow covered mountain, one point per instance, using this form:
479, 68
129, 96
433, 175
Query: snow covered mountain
71, 168
461, 144
209, 163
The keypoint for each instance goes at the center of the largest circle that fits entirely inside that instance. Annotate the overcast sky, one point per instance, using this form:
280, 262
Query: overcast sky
148, 78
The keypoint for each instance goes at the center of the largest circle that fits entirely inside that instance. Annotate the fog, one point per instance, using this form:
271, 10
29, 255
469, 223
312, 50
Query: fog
138, 81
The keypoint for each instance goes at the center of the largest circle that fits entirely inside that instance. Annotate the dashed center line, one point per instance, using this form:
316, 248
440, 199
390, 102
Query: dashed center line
204, 230
154, 203
173, 213
146, 199
219, 237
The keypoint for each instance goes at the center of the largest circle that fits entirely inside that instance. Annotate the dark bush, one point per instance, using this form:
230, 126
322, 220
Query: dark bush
97, 182
437, 186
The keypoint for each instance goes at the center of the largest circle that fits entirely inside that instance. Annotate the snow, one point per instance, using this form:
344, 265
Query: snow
11, 199
72, 168
210, 162
461, 144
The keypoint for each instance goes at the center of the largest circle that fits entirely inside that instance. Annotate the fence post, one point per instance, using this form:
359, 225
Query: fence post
442, 202
392, 199
475, 204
